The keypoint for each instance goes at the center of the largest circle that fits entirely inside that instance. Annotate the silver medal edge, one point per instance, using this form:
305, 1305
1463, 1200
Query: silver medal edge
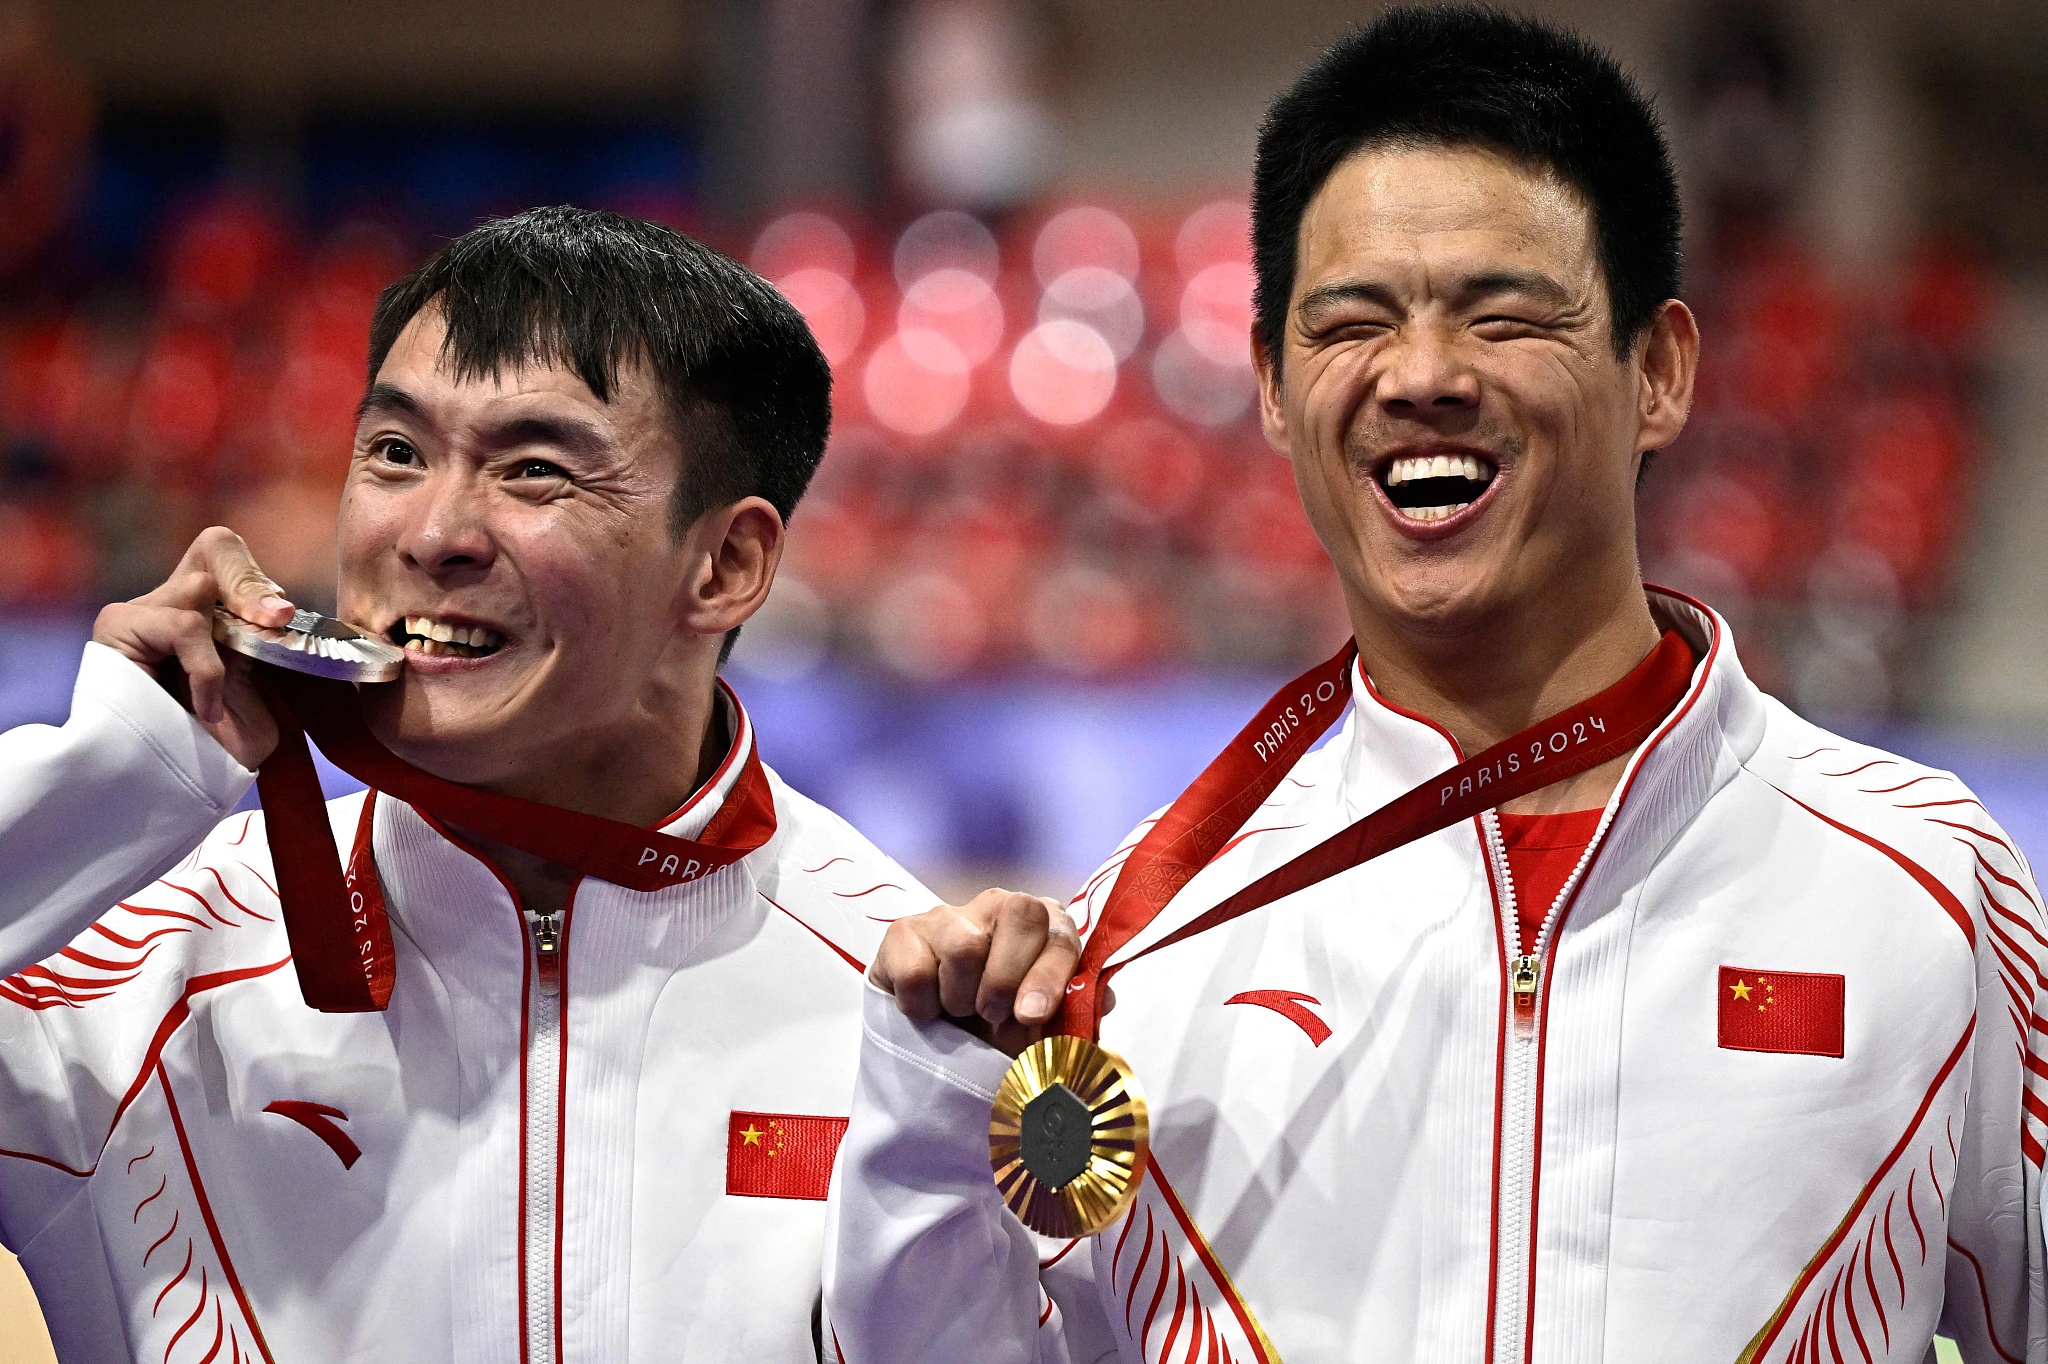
254, 642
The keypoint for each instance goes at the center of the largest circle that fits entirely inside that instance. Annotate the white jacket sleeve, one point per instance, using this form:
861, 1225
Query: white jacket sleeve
96, 809
1996, 1306
924, 1263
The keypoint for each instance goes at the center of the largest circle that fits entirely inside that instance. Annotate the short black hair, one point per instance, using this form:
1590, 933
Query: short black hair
1459, 76
749, 389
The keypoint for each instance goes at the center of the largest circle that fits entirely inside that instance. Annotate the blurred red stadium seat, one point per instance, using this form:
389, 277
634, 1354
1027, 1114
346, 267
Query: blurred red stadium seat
1046, 450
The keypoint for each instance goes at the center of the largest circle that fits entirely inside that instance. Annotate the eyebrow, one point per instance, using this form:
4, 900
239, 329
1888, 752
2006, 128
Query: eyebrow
564, 432
1533, 283
388, 399
1470, 289
1324, 297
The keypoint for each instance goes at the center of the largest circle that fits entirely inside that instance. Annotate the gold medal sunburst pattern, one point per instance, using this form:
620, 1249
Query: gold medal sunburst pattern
1068, 1137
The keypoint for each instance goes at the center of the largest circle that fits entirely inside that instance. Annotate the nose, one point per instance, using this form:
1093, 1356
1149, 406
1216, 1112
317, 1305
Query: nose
445, 533
1426, 377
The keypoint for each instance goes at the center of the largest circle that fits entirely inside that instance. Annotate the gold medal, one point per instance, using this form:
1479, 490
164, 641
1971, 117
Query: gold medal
312, 643
1068, 1137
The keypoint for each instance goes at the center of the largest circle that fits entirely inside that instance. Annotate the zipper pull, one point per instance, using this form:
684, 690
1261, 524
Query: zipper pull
546, 960
1523, 973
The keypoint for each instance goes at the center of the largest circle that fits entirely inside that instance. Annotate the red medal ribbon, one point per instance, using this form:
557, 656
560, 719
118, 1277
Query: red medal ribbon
340, 936
1197, 826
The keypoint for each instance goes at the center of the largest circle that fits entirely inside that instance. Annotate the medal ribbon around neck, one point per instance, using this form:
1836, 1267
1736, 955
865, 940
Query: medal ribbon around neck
340, 934
1066, 1092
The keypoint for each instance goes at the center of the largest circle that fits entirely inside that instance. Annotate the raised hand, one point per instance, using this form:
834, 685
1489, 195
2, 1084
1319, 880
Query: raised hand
996, 965
170, 632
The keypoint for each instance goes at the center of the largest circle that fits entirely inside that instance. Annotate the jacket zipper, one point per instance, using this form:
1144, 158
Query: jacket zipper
543, 1113
1519, 1118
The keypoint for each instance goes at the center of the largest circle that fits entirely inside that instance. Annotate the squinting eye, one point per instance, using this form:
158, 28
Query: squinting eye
540, 468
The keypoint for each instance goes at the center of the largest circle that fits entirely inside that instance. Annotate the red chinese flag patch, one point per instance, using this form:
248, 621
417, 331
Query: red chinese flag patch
781, 1155
1787, 1011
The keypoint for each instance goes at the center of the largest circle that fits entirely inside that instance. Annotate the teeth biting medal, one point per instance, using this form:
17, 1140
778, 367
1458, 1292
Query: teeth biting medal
334, 915
312, 643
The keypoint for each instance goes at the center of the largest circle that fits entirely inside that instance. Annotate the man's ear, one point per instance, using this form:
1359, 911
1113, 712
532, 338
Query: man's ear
736, 550
1272, 413
1670, 362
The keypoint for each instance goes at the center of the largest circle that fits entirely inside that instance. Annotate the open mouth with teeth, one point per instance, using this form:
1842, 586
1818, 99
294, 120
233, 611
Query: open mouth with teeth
425, 635
1433, 487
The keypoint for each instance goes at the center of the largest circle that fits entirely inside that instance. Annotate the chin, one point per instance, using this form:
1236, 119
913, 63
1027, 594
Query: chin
455, 737
1440, 599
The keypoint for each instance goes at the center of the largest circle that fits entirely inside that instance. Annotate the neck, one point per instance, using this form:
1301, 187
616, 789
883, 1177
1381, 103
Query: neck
635, 782
1495, 677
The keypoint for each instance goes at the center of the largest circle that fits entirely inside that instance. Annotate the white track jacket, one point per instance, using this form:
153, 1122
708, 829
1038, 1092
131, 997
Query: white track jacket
1357, 1155
194, 1166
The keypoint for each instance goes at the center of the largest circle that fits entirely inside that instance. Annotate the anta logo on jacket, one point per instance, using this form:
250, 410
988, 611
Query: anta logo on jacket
1776, 1092
616, 1153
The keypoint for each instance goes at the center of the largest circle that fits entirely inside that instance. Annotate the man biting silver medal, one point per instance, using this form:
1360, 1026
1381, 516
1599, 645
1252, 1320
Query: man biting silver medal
582, 973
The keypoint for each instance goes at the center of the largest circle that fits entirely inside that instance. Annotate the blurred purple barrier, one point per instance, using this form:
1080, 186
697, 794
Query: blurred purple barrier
1027, 775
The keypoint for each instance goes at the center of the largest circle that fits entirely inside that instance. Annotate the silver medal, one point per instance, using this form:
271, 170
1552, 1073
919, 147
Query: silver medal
312, 643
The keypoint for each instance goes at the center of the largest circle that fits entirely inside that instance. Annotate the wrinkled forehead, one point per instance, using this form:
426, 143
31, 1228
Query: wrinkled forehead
1411, 205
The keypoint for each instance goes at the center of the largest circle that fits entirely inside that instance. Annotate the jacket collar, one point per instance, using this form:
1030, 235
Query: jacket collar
1382, 750
1698, 749
447, 898
689, 819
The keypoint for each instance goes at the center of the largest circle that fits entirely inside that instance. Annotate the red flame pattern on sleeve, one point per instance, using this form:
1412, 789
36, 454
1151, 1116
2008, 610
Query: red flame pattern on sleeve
113, 951
1160, 1287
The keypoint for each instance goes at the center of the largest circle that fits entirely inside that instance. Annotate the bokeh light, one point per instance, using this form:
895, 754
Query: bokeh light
1088, 620
832, 307
947, 239
916, 384
221, 256
958, 305
1083, 237
1101, 298
802, 241
1214, 234
1216, 312
179, 396
927, 626
1063, 372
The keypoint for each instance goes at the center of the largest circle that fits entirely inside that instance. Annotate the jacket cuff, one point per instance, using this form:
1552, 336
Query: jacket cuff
116, 684
947, 1053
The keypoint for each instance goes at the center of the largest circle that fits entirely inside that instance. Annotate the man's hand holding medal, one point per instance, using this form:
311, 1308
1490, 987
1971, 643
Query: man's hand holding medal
170, 631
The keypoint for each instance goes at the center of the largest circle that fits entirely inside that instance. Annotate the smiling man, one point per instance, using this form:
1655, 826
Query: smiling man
1641, 1020
593, 1123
